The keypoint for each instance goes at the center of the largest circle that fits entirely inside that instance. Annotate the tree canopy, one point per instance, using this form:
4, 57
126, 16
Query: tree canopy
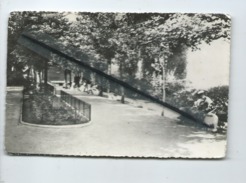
140, 45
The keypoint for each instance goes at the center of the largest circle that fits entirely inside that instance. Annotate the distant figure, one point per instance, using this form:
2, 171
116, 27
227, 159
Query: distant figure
76, 81
67, 74
92, 89
72, 86
82, 87
88, 87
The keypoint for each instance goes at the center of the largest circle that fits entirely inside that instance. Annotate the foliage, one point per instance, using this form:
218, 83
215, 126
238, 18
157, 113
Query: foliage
39, 108
220, 96
184, 99
143, 46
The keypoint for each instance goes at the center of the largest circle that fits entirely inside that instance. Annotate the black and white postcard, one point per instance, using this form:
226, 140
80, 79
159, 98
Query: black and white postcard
145, 85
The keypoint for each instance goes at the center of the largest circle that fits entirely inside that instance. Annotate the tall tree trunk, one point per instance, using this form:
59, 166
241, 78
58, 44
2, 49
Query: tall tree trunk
93, 78
122, 95
65, 77
122, 88
34, 76
40, 76
46, 73
40, 79
139, 73
37, 79
67, 73
28, 74
163, 88
109, 73
70, 78
45, 76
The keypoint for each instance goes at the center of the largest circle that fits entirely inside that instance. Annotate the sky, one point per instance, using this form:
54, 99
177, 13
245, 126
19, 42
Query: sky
209, 66
71, 17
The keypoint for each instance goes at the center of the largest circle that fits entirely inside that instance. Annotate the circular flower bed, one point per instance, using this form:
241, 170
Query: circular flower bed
47, 109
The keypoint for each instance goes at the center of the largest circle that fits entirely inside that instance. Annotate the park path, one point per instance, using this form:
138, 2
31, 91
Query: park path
116, 130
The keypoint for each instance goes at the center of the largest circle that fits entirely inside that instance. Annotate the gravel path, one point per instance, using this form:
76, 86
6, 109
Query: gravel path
116, 130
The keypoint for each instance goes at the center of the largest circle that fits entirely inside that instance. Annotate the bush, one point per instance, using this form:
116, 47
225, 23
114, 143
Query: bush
184, 99
219, 95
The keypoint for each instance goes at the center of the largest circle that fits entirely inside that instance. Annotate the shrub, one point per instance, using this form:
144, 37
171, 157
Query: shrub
184, 99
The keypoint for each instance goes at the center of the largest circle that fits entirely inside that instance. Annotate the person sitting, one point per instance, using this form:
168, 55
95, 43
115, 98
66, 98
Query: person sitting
206, 112
72, 86
88, 87
93, 90
203, 103
82, 87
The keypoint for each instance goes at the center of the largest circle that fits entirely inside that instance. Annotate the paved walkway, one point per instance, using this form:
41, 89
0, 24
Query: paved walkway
116, 130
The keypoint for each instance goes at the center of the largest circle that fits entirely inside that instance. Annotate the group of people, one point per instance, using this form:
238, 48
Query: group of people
83, 85
88, 88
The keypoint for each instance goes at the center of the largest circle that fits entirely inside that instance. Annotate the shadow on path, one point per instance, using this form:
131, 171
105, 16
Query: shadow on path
116, 130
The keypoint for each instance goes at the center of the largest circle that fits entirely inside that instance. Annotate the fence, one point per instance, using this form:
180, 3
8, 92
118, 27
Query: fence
50, 88
49, 109
80, 107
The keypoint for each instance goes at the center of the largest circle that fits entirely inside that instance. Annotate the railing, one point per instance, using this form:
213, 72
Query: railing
50, 88
80, 107
45, 108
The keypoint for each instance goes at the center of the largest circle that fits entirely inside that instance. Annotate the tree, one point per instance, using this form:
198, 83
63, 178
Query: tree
163, 35
19, 59
146, 47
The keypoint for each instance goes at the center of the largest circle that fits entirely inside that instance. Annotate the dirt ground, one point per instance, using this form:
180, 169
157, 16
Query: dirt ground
116, 129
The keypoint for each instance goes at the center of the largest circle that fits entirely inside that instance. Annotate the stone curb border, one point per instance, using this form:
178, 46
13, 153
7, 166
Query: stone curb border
54, 126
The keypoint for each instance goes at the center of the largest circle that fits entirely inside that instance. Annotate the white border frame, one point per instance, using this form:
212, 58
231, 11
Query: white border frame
15, 169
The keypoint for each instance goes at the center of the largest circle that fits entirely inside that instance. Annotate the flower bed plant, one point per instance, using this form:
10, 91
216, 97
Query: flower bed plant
47, 109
